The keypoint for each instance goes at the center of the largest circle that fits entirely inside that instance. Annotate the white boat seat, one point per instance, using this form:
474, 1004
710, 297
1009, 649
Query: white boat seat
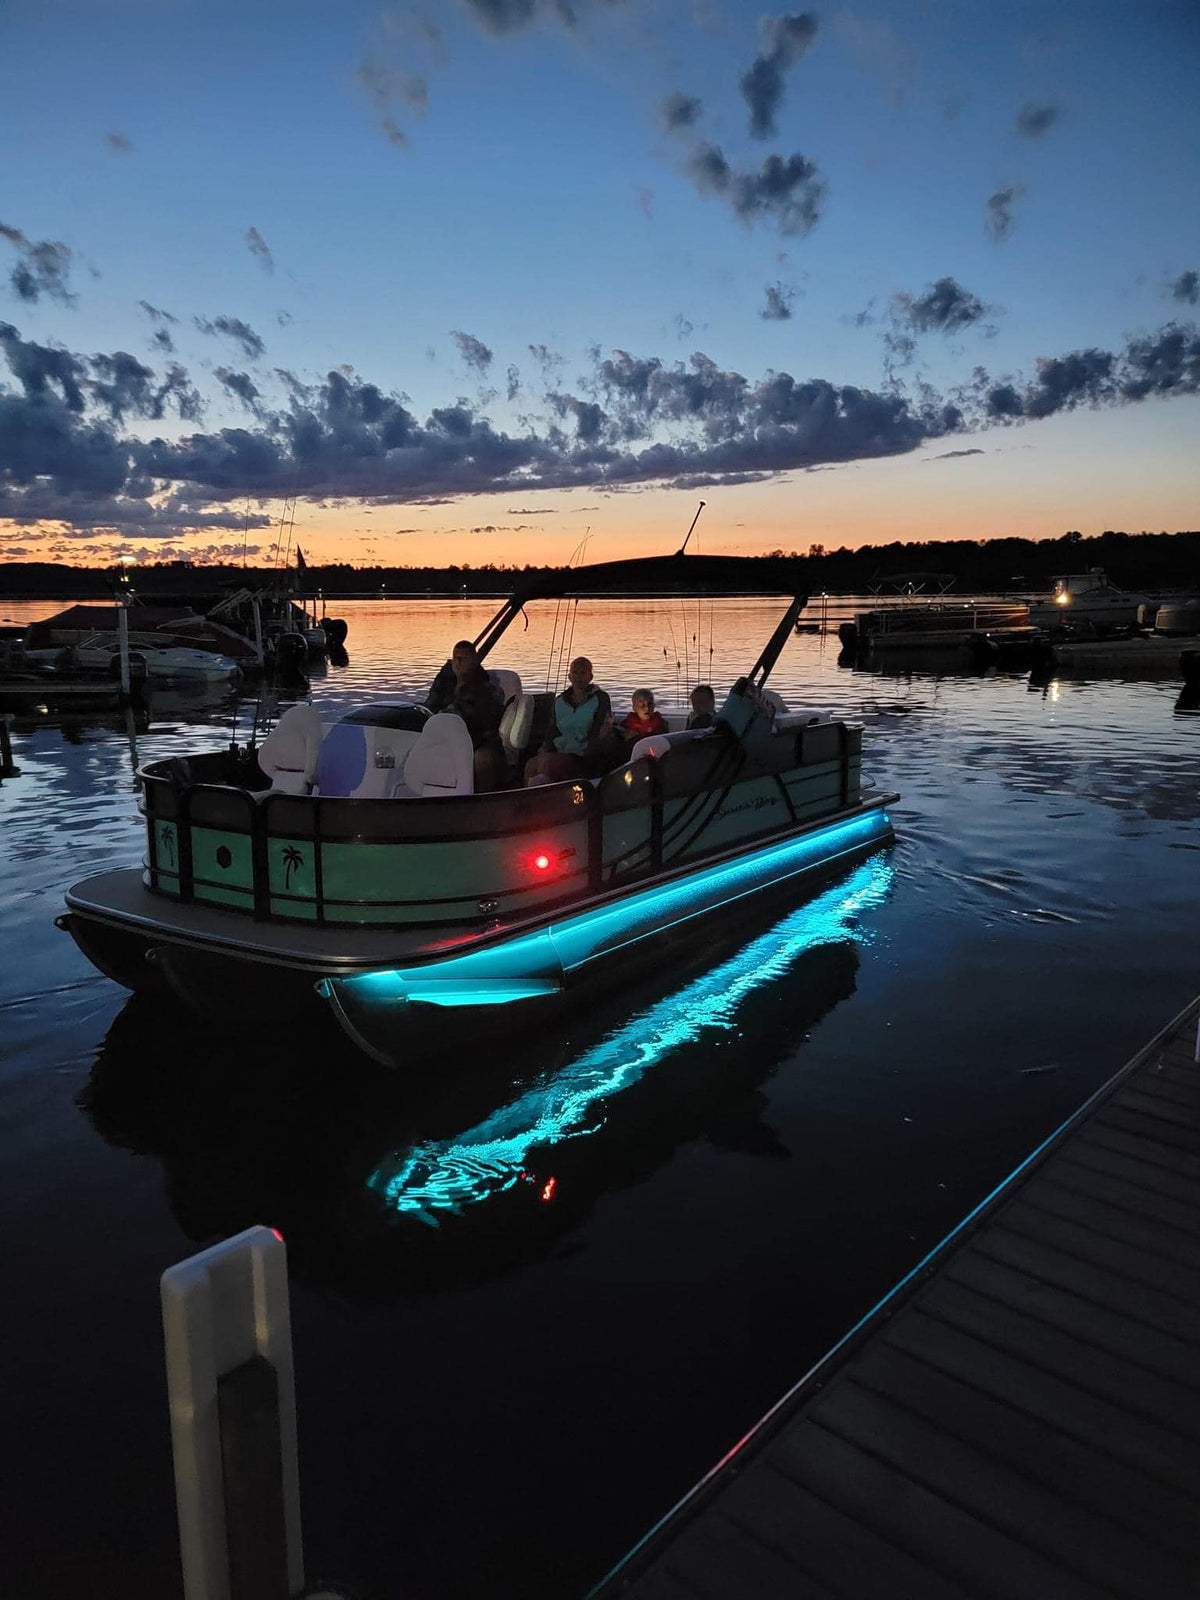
516, 725
654, 744
442, 762
508, 683
289, 754
776, 701
362, 761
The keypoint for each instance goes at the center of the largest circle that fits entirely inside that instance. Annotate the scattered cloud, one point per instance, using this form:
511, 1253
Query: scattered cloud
257, 247
779, 303
161, 337
945, 307
509, 16
682, 326
234, 328
473, 351
1034, 120
1000, 220
42, 268
784, 40
955, 455
118, 144
241, 386
1187, 288
64, 456
787, 191
680, 111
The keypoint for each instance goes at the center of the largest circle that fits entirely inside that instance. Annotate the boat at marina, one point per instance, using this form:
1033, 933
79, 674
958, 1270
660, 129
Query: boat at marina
1089, 599
354, 865
99, 654
983, 628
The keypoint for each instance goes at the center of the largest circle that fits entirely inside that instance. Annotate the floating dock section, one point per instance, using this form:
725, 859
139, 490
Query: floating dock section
1019, 1418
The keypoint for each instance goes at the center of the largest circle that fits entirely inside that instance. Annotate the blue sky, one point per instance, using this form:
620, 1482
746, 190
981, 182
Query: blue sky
471, 277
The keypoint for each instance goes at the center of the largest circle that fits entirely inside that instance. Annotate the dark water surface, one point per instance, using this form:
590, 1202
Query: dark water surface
499, 1392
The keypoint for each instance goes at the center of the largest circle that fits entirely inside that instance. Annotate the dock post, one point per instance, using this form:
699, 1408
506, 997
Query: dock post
123, 645
227, 1327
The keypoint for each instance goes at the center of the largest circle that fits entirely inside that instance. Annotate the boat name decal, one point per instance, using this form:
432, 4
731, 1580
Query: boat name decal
756, 804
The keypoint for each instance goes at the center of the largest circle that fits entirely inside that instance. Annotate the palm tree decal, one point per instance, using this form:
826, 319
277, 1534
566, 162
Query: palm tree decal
168, 842
291, 860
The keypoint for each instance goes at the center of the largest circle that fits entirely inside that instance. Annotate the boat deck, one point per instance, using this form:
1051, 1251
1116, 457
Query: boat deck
1020, 1417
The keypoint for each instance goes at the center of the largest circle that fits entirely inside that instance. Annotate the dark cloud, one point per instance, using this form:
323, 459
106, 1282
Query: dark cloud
956, 455
509, 16
779, 303
1000, 219
513, 382
1187, 287
643, 422
473, 351
161, 337
234, 328
680, 111
124, 387
787, 191
241, 386
42, 267
682, 326
1034, 120
118, 144
257, 247
945, 307
784, 41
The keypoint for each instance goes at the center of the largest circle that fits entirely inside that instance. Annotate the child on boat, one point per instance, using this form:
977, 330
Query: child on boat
704, 707
643, 719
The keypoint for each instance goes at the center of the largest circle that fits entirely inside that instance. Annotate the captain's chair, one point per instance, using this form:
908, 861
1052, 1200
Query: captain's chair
289, 754
442, 762
516, 720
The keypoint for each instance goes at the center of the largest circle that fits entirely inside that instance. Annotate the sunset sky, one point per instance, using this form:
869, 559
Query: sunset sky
475, 278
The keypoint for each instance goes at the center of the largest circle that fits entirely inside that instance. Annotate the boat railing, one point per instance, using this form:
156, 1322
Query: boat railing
275, 856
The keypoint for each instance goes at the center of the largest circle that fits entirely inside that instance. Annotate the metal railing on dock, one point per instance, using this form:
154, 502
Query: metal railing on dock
1019, 1417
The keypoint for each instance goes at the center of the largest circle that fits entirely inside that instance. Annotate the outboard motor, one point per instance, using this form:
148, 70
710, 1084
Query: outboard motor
335, 632
291, 658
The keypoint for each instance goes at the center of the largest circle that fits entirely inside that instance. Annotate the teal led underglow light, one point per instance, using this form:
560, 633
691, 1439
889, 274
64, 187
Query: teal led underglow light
444, 1176
543, 958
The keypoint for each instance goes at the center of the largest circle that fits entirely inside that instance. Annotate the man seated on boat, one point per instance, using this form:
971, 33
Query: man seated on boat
463, 687
643, 720
580, 740
704, 707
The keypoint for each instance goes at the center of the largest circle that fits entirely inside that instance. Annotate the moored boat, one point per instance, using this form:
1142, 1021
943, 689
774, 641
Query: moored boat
1089, 599
367, 874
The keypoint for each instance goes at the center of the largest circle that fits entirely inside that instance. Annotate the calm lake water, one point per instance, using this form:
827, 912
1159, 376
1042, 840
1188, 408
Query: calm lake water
748, 1148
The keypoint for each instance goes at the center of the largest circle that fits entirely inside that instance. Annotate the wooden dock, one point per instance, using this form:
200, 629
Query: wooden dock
1019, 1418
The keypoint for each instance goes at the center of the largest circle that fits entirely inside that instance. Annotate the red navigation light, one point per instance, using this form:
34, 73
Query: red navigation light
277, 1234
541, 861
550, 1186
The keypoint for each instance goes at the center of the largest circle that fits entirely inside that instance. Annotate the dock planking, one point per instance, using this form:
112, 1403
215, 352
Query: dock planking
1019, 1418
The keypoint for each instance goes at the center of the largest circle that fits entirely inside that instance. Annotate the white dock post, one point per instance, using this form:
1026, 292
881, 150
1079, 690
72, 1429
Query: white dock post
227, 1326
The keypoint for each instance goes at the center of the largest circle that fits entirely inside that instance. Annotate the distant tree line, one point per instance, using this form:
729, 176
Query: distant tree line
994, 566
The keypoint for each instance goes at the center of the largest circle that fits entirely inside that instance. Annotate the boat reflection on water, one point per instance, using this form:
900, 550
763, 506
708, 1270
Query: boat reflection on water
483, 1171
521, 1141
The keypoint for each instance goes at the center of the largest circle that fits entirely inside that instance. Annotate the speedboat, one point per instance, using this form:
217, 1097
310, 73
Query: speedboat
160, 663
353, 865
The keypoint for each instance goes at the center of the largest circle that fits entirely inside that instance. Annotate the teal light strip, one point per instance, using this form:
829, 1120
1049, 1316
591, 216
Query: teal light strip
441, 1177
503, 971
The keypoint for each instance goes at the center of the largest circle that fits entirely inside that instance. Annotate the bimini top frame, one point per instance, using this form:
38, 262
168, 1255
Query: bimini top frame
674, 575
